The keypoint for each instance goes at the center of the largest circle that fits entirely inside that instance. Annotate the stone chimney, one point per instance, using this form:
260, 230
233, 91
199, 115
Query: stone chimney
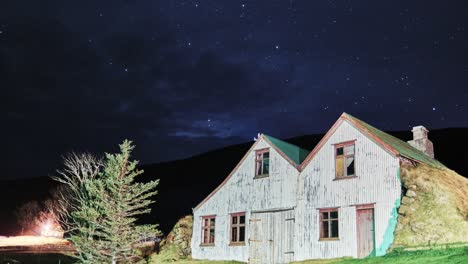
421, 141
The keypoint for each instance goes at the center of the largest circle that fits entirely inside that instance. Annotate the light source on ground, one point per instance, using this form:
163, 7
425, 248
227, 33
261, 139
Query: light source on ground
50, 228
46, 229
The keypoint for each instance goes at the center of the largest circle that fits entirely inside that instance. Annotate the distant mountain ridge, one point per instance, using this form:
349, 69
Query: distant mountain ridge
184, 183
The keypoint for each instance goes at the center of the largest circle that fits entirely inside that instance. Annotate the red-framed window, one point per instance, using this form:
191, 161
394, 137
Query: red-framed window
237, 229
329, 223
262, 162
208, 230
345, 160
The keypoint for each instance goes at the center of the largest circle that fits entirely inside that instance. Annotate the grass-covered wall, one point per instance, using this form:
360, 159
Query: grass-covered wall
434, 209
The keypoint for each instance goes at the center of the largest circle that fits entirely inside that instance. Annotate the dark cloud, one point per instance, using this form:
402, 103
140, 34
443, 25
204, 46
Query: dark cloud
182, 77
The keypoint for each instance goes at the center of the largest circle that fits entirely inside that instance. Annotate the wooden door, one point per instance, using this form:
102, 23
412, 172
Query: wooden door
260, 240
365, 231
271, 237
288, 237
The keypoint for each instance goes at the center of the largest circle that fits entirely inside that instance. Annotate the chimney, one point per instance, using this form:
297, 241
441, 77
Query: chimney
421, 141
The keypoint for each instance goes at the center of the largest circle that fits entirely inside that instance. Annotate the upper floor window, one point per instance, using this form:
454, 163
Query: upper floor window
344, 160
262, 162
238, 228
329, 224
208, 230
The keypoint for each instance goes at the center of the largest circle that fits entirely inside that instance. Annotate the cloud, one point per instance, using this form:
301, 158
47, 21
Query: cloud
64, 92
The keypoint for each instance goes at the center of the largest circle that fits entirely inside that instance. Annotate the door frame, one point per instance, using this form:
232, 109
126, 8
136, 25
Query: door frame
365, 207
270, 242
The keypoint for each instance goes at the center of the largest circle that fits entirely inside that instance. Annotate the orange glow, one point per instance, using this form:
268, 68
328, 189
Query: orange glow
31, 241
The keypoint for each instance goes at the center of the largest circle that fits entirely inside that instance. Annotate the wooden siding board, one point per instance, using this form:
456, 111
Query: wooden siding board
376, 182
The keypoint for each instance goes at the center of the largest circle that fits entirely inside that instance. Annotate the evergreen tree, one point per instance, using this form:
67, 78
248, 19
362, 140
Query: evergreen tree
102, 204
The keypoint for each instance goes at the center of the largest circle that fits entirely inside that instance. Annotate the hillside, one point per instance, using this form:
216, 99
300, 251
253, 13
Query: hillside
184, 183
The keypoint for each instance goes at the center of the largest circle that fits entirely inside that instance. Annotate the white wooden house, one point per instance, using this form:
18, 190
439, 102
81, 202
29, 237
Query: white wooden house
282, 203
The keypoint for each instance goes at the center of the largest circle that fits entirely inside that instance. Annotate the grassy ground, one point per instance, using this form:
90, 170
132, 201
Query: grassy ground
171, 254
434, 256
200, 262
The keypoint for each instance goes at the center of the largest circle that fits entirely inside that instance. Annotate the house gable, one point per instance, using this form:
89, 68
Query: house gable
375, 182
263, 142
243, 192
327, 136
388, 142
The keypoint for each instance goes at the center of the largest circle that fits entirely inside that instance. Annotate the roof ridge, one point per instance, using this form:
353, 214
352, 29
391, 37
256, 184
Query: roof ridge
295, 153
403, 148
285, 142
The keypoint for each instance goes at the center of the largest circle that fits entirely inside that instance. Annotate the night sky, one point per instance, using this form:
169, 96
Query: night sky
183, 77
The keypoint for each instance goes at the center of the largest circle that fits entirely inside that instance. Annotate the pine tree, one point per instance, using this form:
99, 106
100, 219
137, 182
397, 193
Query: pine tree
101, 206
123, 200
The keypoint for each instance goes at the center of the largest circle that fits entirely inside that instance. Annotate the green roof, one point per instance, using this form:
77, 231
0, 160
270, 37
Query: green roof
403, 148
295, 153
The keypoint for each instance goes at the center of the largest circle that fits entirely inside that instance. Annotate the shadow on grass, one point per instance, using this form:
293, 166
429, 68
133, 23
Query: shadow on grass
34, 258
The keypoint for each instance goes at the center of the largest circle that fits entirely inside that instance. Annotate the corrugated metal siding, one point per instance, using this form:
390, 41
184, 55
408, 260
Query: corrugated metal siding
376, 182
243, 193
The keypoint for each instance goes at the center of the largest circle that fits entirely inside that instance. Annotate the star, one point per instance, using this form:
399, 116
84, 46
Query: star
277, 47
433, 108
125, 70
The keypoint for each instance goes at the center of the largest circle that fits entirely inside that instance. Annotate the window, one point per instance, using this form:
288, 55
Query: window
262, 162
328, 224
344, 160
238, 229
208, 230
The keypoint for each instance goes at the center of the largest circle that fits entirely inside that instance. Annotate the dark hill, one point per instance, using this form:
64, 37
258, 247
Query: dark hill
184, 183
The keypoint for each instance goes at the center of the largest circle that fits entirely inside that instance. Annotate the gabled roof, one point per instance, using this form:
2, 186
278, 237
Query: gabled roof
293, 152
390, 143
295, 155
401, 147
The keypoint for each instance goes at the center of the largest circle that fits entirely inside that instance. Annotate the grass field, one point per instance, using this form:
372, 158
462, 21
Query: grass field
434, 256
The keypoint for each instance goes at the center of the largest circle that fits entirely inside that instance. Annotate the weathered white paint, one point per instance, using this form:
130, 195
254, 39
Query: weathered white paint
272, 236
288, 200
377, 182
243, 193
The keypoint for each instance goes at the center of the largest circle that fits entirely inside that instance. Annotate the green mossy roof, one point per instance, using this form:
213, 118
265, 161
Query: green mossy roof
404, 149
295, 153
